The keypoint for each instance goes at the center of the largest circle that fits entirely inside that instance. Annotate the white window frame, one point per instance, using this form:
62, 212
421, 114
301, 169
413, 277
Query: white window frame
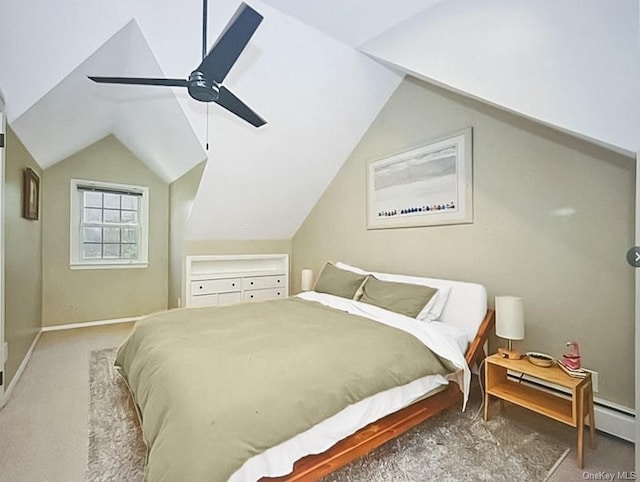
75, 238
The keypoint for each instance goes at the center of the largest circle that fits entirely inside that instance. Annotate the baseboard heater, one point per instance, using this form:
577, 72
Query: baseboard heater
610, 417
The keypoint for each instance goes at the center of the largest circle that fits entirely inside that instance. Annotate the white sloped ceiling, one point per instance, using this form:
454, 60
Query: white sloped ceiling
42, 42
574, 65
571, 64
318, 96
355, 21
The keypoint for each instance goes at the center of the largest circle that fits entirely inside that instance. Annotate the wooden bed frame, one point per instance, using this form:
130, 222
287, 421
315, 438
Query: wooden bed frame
313, 467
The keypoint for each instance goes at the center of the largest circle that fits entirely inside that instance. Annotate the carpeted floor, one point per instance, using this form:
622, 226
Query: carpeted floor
450, 447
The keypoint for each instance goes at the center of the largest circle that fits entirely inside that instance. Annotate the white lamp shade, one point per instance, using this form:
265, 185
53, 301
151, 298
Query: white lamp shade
307, 279
510, 317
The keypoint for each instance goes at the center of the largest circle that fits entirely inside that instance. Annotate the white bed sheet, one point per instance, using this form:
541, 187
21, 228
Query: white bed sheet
459, 336
441, 339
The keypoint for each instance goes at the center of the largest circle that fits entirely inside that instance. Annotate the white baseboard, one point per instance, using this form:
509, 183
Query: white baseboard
86, 324
611, 417
21, 368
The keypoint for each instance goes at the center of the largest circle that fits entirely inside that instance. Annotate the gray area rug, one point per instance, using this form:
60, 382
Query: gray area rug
451, 447
116, 449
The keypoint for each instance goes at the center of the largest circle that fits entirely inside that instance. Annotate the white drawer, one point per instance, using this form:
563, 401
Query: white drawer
215, 285
262, 282
255, 295
232, 297
203, 300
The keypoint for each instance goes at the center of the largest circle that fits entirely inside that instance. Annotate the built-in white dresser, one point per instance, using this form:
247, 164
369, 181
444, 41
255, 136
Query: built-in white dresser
222, 279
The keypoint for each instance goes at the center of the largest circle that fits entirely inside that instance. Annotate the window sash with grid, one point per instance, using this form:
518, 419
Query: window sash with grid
110, 225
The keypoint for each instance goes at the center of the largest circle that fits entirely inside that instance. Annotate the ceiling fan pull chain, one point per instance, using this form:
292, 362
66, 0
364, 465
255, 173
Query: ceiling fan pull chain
207, 135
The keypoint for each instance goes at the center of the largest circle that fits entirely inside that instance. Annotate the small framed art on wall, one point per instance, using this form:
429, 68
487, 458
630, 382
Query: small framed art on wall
30, 194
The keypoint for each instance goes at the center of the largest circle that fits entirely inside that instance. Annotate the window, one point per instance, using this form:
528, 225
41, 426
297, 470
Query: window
109, 225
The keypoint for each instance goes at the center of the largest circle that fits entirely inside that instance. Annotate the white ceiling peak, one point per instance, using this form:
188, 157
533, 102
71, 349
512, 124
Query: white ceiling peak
77, 112
44, 41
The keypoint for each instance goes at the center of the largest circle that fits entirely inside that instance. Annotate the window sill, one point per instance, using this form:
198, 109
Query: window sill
108, 265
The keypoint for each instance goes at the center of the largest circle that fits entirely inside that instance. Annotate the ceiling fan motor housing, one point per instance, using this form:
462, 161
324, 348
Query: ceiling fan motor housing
202, 89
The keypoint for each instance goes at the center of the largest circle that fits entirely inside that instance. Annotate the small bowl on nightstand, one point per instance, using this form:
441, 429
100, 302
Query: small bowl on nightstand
540, 359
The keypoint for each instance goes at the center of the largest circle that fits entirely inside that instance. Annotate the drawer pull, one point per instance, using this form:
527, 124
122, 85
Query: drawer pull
251, 296
200, 286
278, 281
233, 284
252, 283
278, 293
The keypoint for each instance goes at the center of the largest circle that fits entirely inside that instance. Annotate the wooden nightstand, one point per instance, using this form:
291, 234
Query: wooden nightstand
571, 411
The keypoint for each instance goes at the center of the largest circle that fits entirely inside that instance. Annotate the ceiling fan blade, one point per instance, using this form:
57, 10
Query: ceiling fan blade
141, 81
226, 50
234, 105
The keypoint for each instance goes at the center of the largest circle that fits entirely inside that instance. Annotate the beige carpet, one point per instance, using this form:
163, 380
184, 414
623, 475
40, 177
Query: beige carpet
451, 447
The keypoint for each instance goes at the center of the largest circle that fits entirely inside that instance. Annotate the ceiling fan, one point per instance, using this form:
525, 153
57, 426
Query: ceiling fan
205, 82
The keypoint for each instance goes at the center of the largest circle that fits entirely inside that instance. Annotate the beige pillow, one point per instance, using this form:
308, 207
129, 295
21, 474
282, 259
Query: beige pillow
338, 282
406, 299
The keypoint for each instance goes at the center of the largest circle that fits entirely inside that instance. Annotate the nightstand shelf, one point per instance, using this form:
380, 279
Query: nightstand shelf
541, 402
571, 411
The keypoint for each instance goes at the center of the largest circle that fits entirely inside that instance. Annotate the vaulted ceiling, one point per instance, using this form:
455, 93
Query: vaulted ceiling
318, 71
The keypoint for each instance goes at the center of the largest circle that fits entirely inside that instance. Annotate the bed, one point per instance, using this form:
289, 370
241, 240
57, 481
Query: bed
293, 389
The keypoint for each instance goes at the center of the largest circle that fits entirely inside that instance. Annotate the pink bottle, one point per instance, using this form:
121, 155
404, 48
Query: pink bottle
572, 360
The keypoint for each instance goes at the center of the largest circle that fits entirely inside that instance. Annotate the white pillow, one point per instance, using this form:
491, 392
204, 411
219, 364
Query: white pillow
433, 309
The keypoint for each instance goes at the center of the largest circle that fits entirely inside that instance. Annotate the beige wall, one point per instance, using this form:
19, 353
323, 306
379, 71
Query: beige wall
245, 246
71, 296
181, 195
570, 268
23, 260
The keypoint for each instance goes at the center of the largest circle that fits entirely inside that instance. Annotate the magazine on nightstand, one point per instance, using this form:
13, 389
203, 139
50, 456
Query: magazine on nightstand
579, 373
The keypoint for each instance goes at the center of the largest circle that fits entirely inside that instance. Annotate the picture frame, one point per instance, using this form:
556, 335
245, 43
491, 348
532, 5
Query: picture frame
431, 185
30, 194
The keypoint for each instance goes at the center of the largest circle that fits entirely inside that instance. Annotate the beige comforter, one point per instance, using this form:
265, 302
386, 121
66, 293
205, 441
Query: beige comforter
216, 386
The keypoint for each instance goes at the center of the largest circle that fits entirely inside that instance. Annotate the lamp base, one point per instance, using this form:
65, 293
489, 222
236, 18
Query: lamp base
510, 354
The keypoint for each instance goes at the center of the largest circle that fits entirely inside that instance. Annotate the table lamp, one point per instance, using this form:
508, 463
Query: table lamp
307, 279
510, 323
